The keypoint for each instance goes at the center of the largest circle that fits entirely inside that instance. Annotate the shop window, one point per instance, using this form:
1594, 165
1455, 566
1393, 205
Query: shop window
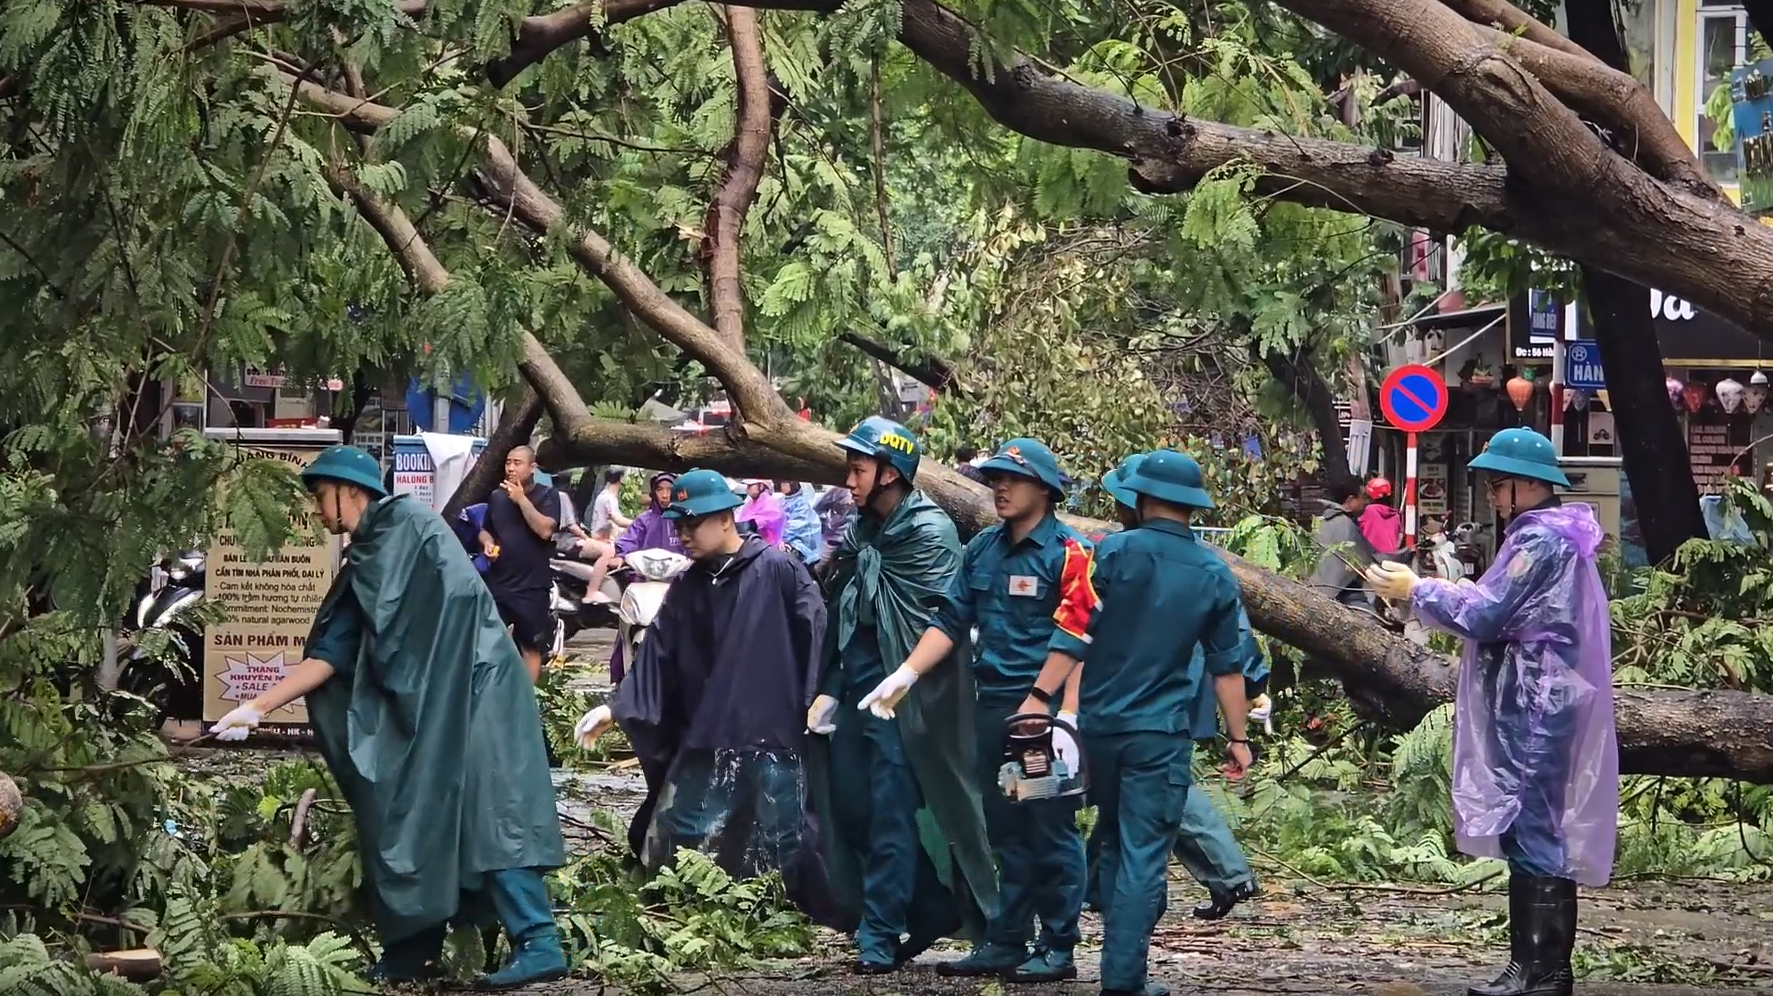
1723, 47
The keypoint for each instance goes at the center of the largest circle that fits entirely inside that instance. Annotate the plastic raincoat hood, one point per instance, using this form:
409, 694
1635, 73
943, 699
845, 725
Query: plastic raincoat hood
1534, 750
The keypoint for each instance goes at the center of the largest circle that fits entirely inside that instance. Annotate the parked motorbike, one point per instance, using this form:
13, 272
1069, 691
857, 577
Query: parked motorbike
1467, 548
164, 600
652, 571
571, 613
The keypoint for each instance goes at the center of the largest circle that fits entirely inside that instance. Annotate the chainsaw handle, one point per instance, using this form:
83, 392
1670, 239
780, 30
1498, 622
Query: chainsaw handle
1050, 720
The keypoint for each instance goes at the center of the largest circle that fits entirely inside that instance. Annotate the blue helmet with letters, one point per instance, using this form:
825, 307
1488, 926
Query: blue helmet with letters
881, 437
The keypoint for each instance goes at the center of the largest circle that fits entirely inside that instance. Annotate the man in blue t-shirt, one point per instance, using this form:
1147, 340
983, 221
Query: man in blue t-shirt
518, 538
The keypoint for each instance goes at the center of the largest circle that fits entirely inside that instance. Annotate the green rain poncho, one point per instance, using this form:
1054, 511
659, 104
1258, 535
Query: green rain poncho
429, 724
892, 574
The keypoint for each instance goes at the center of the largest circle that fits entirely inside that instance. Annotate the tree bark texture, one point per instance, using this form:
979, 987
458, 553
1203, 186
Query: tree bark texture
1389, 678
1644, 423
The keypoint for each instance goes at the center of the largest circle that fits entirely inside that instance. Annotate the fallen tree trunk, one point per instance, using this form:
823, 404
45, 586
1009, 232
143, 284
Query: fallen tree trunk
1392, 681
1679, 733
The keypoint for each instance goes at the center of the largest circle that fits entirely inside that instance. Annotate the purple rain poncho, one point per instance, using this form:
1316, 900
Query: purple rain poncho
768, 514
1535, 760
650, 530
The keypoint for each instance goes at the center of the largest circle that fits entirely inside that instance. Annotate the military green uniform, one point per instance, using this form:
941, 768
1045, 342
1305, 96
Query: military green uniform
1161, 593
1025, 598
430, 726
906, 851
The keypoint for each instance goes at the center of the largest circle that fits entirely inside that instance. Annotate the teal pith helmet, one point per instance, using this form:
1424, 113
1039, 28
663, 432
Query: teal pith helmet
876, 436
700, 492
1170, 476
1521, 453
1028, 458
347, 464
1115, 481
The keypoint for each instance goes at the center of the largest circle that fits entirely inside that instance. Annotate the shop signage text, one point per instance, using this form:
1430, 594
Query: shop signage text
1582, 366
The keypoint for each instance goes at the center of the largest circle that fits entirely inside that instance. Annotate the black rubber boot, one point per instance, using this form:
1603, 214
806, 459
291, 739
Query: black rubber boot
1219, 904
1541, 935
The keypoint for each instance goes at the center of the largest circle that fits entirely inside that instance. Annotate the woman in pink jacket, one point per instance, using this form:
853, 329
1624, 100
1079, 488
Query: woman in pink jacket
1380, 523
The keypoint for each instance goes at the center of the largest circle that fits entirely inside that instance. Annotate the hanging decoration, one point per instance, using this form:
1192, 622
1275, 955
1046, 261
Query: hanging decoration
1694, 395
1730, 394
1756, 396
1674, 391
1576, 399
1520, 391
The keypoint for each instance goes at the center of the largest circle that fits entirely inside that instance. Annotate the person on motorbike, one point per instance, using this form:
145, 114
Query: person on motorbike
1381, 524
650, 530
802, 531
422, 710
873, 775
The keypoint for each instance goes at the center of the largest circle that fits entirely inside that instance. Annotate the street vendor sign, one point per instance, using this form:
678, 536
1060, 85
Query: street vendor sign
270, 601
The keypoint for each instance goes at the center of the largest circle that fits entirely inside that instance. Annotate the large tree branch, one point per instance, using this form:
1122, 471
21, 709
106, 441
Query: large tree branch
516, 426
1615, 100
932, 372
754, 124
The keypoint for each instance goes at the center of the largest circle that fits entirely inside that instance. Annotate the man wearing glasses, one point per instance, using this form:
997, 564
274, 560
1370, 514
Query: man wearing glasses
1535, 760
716, 703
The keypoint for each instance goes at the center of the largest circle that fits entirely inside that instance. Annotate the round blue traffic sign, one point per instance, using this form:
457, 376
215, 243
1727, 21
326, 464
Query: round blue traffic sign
1413, 398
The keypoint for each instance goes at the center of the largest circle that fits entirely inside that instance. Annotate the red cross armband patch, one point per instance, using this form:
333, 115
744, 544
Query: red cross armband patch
1077, 593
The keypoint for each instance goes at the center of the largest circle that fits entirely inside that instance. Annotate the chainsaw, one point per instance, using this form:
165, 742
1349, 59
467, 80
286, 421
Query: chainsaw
1032, 767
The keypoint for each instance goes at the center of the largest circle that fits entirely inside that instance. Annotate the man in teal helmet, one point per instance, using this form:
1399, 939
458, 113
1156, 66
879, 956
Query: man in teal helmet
1204, 844
715, 703
1535, 759
877, 781
1024, 583
1162, 594
424, 712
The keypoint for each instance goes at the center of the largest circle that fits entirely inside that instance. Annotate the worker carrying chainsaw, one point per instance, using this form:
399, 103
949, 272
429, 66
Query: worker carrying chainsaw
425, 714
904, 834
1162, 592
1204, 844
1024, 583
1535, 762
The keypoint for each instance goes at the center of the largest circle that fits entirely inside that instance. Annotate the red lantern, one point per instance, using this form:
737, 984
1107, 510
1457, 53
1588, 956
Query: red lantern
1694, 394
1520, 391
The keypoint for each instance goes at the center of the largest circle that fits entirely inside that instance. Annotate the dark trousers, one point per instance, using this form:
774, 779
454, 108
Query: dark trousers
1535, 743
875, 807
1139, 783
1040, 855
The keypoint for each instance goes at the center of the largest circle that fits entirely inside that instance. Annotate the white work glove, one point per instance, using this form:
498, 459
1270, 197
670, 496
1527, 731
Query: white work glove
1065, 745
1392, 580
886, 695
237, 724
592, 725
1261, 710
821, 717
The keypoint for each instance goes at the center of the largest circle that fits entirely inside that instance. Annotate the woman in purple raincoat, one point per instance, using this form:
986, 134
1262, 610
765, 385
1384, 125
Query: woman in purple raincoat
1535, 761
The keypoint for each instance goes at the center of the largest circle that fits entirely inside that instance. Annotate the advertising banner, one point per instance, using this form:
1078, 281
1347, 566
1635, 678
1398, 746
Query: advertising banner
271, 601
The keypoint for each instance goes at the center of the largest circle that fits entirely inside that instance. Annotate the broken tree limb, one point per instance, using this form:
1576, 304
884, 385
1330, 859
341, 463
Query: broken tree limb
12, 805
1661, 732
135, 965
754, 124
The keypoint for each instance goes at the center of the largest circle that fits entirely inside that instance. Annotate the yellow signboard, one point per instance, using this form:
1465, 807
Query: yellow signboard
270, 602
